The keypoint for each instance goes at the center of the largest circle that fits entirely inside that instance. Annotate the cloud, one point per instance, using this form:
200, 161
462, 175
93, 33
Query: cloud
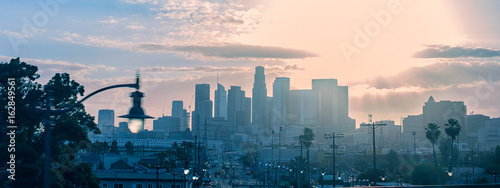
441, 74
211, 69
136, 27
232, 51
196, 69
47, 67
443, 51
110, 20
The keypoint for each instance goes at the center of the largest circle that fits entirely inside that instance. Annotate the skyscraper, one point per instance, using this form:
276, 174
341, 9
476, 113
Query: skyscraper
106, 122
259, 95
202, 113
281, 98
167, 124
178, 111
326, 103
220, 109
440, 112
331, 112
238, 108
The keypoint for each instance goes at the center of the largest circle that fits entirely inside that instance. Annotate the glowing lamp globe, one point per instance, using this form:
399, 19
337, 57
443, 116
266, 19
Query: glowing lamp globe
136, 114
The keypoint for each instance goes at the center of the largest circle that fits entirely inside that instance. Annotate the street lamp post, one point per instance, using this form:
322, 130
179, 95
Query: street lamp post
450, 171
186, 172
322, 179
174, 174
136, 118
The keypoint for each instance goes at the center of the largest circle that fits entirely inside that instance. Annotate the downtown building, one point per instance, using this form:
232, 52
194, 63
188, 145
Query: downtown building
202, 114
220, 106
331, 109
238, 114
179, 112
106, 124
260, 107
434, 112
324, 108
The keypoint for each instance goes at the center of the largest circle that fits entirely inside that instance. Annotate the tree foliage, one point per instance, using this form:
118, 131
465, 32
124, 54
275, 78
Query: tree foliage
114, 147
69, 133
432, 134
424, 175
453, 128
129, 147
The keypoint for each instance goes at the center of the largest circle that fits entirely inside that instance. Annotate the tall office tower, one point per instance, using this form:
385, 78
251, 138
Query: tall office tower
220, 109
475, 122
301, 107
440, 112
247, 110
259, 95
106, 122
178, 111
238, 111
281, 99
202, 113
167, 124
331, 110
123, 131
413, 123
326, 103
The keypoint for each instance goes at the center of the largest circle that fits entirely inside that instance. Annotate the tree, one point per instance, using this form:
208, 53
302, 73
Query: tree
421, 175
393, 159
432, 134
296, 165
452, 129
307, 138
70, 130
114, 147
129, 147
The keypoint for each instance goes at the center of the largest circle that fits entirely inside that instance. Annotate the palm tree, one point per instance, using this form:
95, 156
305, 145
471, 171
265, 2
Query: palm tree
307, 138
432, 135
453, 129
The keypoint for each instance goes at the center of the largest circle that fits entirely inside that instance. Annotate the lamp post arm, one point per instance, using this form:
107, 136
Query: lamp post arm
57, 112
136, 85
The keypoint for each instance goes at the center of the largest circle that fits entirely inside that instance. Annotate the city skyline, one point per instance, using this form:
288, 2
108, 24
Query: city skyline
393, 55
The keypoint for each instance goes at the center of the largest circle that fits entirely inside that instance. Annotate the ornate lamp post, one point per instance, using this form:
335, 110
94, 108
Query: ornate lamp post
136, 118
186, 172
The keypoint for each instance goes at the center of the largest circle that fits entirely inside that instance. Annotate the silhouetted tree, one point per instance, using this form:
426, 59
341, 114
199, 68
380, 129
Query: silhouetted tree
114, 147
129, 147
307, 138
452, 129
421, 175
69, 133
432, 134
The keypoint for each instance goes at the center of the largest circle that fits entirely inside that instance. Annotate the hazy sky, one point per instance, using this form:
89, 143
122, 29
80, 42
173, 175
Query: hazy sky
393, 55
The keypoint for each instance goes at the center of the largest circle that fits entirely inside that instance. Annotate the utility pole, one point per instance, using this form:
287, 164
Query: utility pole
414, 145
373, 127
272, 153
299, 171
333, 136
279, 157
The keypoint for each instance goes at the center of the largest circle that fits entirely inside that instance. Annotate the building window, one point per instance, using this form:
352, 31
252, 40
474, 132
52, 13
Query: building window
120, 185
104, 185
150, 185
138, 186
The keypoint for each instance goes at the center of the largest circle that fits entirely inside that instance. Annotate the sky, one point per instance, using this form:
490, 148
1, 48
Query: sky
392, 54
